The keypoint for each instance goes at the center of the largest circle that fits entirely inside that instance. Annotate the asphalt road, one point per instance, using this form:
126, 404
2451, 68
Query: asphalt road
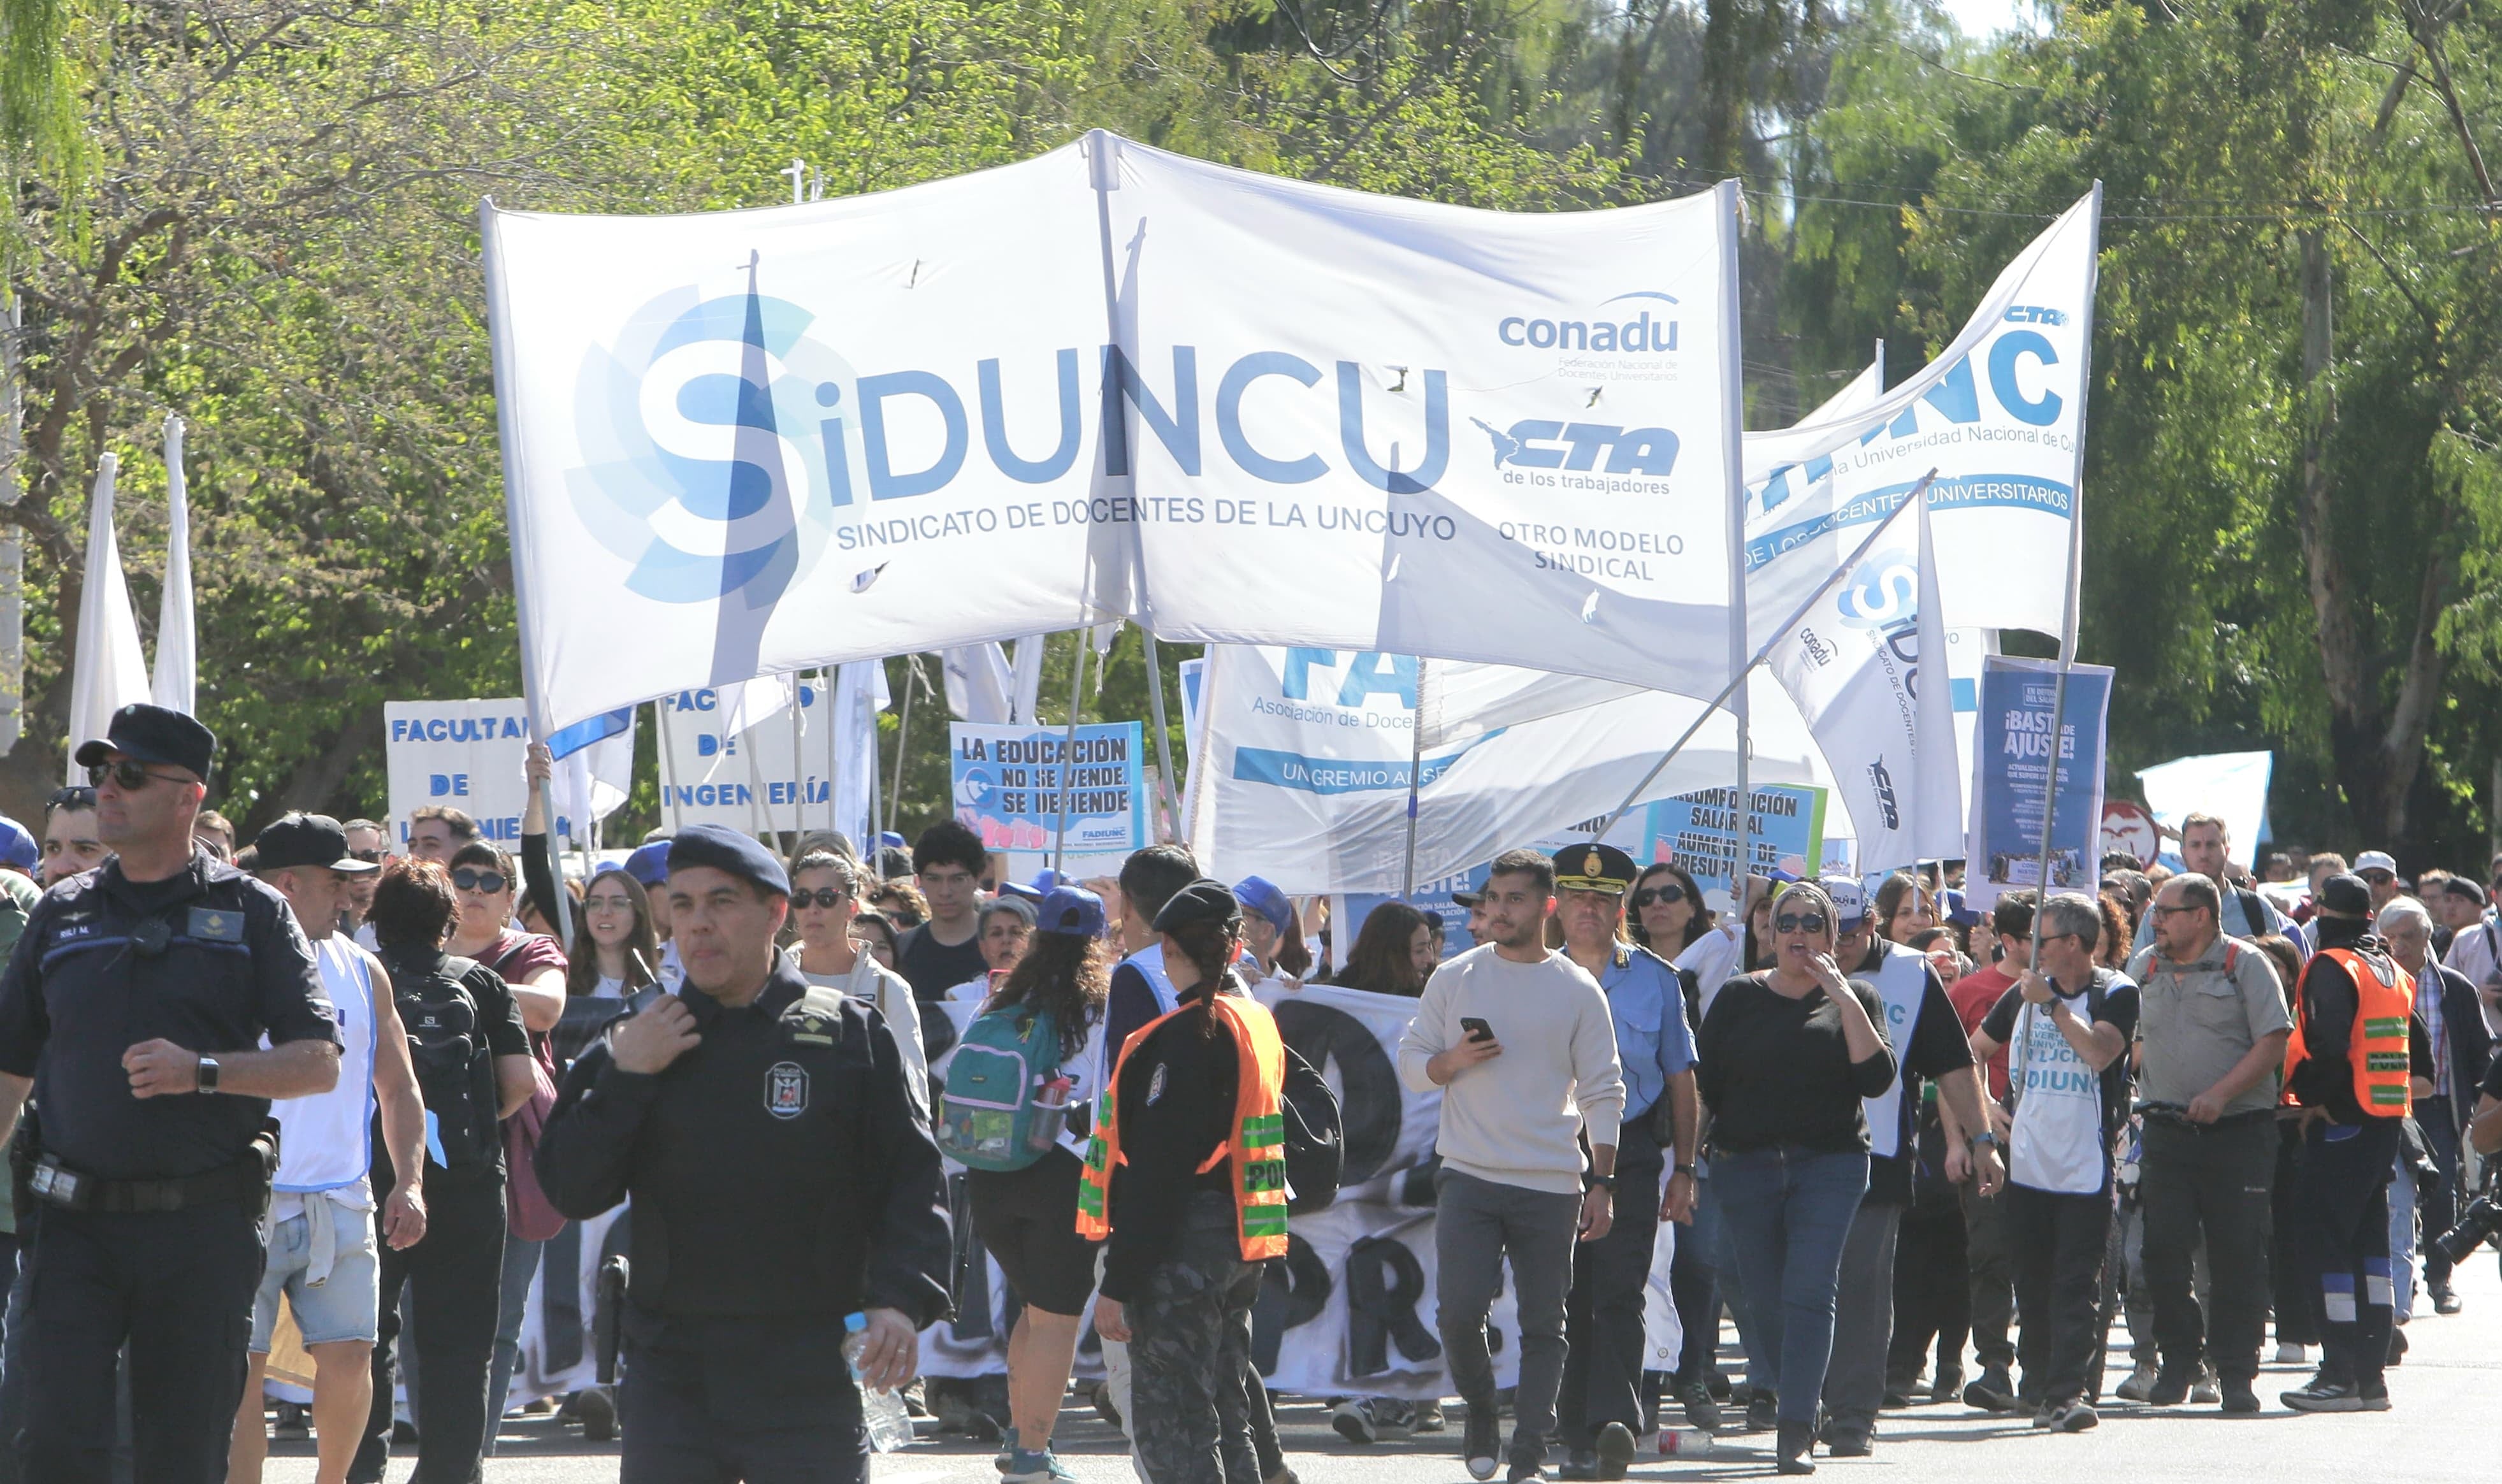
2441, 1428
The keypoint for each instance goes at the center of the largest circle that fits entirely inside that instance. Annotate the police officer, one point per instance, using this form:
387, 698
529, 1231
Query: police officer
783, 1178
1599, 1409
133, 1008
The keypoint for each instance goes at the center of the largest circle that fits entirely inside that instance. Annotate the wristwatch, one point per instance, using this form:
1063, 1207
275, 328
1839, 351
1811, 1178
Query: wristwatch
208, 1074
1687, 1171
1607, 1183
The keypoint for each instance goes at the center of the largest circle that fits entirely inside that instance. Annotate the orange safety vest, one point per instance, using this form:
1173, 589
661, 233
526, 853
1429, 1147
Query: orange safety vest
1257, 1146
2384, 1005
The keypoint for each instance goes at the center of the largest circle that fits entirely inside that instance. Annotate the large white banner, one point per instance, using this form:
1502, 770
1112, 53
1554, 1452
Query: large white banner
1233, 407
779, 774
1302, 770
468, 754
2000, 414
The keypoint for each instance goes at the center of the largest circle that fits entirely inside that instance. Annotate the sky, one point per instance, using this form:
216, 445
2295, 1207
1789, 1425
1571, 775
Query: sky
1983, 18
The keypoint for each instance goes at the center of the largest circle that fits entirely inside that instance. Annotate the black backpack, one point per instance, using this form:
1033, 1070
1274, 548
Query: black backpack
1315, 1138
455, 1066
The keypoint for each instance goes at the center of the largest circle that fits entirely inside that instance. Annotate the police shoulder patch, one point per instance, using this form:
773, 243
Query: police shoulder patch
216, 925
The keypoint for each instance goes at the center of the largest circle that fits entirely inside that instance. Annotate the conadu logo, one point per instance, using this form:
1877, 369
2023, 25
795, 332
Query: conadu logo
1606, 330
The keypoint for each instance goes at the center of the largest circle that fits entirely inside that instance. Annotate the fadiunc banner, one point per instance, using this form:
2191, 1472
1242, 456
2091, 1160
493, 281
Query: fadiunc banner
1227, 406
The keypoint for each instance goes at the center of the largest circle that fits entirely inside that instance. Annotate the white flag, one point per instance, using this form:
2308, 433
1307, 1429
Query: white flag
178, 667
1025, 688
980, 686
108, 672
1936, 761
860, 694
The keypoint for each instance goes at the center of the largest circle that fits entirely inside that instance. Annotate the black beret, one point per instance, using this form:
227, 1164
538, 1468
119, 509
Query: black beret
1202, 901
727, 850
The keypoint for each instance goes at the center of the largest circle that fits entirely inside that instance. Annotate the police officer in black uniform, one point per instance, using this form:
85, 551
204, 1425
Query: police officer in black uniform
133, 1008
783, 1178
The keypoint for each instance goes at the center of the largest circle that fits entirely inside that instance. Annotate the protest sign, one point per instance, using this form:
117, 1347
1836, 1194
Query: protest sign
1006, 785
2233, 787
1999, 413
465, 754
772, 776
758, 441
2011, 773
1699, 831
2128, 826
1303, 768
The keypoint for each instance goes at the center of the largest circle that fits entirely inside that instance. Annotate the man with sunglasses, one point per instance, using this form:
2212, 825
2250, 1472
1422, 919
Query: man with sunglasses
368, 844
71, 843
136, 1004
1598, 1410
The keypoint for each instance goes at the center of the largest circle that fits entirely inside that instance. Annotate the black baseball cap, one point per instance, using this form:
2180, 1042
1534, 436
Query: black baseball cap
1202, 901
306, 839
2345, 895
152, 734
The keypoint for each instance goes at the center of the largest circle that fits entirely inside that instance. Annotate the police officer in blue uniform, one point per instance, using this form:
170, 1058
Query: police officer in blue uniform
783, 1177
133, 1008
1599, 1409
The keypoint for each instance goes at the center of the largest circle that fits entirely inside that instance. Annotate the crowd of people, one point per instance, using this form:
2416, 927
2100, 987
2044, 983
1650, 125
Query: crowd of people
354, 1085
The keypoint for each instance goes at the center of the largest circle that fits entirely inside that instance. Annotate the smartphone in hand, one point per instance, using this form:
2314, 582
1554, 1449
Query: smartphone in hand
1477, 1030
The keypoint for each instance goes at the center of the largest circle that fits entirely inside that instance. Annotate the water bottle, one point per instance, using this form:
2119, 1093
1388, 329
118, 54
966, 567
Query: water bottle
1684, 1442
889, 1426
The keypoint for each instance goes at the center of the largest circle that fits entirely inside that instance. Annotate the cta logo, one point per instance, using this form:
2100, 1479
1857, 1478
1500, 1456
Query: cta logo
1883, 783
1538, 443
1602, 331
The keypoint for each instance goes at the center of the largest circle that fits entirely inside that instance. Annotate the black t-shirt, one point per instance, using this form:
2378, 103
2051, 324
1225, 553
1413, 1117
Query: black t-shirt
1776, 1070
933, 967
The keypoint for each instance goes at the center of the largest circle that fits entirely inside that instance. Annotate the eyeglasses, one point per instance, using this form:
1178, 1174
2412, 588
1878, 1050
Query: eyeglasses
471, 879
1800, 922
130, 775
369, 857
1664, 894
822, 897
618, 903
2160, 910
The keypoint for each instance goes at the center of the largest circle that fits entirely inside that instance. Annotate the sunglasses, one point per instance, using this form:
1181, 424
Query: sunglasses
471, 879
822, 897
369, 857
130, 775
617, 903
2378, 878
1670, 893
1800, 922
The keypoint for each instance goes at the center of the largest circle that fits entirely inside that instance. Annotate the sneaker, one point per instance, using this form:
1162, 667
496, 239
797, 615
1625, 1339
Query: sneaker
2397, 1344
2240, 1400
1354, 1421
1700, 1409
1104, 1406
1007, 1449
1848, 1444
2325, 1393
294, 1420
1947, 1385
1483, 1444
2289, 1354
2074, 1415
2171, 1386
2140, 1382
1898, 1393
2446, 1301
1992, 1390
1428, 1418
1580, 1465
1718, 1381
1616, 1446
1794, 1448
1044, 1467
1528, 1461
2044, 1414
596, 1410
2201, 1391
2372, 1398
1763, 1411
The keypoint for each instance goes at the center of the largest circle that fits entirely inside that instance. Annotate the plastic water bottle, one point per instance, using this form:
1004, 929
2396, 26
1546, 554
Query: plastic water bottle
889, 1426
1684, 1442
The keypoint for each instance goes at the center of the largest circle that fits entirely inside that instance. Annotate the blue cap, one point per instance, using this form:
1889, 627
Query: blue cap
1045, 879
650, 864
1072, 911
1955, 909
724, 849
1018, 890
16, 847
1259, 895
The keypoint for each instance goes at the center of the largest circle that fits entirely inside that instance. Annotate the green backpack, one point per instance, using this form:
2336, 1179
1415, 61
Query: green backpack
991, 1116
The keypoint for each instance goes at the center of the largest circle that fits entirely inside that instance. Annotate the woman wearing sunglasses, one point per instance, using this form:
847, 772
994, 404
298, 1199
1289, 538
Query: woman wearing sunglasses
1785, 1058
825, 899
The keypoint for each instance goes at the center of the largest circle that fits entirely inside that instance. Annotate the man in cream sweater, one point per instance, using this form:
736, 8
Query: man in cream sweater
1521, 1043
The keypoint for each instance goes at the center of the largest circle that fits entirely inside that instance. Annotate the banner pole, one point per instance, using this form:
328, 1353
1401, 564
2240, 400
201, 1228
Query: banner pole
660, 708
1068, 748
2075, 567
1733, 383
1168, 784
1840, 571
799, 758
1415, 774
903, 738
760, 819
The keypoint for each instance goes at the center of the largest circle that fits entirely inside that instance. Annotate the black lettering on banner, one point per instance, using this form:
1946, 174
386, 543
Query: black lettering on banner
1373, 1106
1383, 1282
1294, 1293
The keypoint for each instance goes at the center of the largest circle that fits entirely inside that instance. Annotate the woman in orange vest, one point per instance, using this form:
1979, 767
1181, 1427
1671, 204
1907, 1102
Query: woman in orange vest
1186, 1176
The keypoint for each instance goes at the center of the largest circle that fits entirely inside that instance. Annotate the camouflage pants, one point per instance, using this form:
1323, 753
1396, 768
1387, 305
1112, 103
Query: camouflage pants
1190, 1359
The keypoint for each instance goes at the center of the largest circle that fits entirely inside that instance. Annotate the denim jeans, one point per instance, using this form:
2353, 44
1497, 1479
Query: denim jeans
1787, 1212
520, 1264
